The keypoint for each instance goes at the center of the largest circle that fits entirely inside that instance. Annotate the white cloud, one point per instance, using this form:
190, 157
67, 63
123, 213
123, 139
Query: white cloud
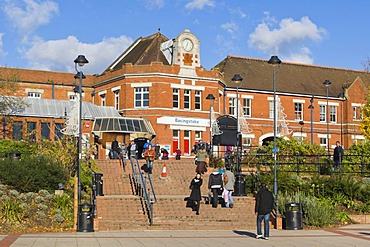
199, 4
237, 12
150, 4
303, 55
1, 45
230, 27
288, 39
58, 55
30, 15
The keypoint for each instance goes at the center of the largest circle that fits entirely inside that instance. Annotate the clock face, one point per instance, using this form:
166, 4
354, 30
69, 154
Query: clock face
187, 44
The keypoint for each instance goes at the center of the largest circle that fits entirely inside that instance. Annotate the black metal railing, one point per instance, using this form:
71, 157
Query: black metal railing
143, 187
321, 164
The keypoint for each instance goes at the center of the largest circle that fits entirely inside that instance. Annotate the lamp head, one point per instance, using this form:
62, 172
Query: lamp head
210, 97
81, 60
237, 78
301, 122
327, 83
274, 60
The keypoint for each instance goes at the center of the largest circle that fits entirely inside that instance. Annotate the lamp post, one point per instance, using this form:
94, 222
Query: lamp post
301, 123
79, 61
212, 98
311, 108
238, 80
343, 98
327, 83
275, 61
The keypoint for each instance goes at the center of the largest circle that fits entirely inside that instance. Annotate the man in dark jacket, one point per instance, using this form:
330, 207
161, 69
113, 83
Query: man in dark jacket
115, 148
337, 156
215, 184
263, 208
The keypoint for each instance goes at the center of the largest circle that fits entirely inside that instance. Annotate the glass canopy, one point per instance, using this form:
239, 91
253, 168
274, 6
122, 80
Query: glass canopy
123, 125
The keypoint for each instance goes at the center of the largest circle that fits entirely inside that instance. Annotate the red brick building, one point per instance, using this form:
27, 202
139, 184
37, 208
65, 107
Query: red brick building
161, 81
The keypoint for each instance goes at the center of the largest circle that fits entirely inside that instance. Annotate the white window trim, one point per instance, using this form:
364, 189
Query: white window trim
323, 136
190, 87
247, 97
33, 90
116, 88
357, 137
141, 84
299, 134
299, 101
330, 103
102, 92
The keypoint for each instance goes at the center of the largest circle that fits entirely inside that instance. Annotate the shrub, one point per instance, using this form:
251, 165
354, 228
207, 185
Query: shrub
315, 212
32, 174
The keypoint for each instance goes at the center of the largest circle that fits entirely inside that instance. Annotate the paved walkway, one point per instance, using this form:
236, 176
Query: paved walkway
353, 235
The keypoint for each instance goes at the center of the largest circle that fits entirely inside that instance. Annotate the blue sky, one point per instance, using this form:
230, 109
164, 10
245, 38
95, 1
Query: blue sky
49, 34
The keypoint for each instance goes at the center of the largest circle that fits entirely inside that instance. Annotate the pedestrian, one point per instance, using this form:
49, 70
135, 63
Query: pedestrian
201, 160
123, 151
195, 194
263, 208
178, 154
115, 148
337, 156
229, 181
215, 185
149, 155
164, 154
146, 144
132, 151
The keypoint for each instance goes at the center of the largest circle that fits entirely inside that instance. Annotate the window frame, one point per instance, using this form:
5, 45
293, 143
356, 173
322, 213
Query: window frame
176, 98
187, 99
247, 107
141, 97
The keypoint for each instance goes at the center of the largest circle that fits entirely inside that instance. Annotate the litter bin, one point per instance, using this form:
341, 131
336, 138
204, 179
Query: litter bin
239, 187
99, 184
85, 221
293, 216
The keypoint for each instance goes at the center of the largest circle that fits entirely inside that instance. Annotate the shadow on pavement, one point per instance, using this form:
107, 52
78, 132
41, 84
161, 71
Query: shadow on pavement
244, 233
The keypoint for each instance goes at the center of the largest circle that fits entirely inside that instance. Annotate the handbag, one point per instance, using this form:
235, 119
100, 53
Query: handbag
145, 168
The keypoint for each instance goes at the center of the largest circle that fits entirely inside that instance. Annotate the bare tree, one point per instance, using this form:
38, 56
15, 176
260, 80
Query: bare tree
8, 103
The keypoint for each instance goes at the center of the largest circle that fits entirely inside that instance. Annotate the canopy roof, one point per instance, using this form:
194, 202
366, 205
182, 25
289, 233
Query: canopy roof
123, 125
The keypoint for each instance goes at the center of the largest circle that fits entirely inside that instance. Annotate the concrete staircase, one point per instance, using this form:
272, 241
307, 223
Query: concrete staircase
120, 208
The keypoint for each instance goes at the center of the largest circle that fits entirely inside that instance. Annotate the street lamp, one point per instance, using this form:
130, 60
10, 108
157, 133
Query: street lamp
311, 108
80, 61
238, 80
327, 83
343, 98
301, 123
212, 98
275, 61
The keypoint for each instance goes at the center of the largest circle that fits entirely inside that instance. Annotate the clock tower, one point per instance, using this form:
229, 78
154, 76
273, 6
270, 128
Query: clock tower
186, 50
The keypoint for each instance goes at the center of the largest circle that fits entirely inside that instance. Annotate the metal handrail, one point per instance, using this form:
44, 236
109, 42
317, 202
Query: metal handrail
140, 183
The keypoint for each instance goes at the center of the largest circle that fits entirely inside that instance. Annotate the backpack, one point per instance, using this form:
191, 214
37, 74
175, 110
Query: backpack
226, 178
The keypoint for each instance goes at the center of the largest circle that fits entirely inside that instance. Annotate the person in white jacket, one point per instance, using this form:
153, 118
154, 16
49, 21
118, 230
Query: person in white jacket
229, 187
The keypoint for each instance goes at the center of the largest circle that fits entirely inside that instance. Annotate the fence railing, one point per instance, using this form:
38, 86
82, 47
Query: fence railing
320, 164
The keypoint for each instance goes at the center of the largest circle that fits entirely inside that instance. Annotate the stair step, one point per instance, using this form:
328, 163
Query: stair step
120, 208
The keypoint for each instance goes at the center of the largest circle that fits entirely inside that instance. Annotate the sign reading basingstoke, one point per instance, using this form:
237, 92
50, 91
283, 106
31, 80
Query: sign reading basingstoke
184, 121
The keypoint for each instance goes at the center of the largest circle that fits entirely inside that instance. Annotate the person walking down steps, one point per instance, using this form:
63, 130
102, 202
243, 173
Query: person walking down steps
195, 194
201, 160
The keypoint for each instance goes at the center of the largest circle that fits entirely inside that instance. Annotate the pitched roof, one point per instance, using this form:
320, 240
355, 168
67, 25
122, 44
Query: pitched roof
142, 52
293, 78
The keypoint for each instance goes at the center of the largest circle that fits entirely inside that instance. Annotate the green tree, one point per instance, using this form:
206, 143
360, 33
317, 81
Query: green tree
365, 123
